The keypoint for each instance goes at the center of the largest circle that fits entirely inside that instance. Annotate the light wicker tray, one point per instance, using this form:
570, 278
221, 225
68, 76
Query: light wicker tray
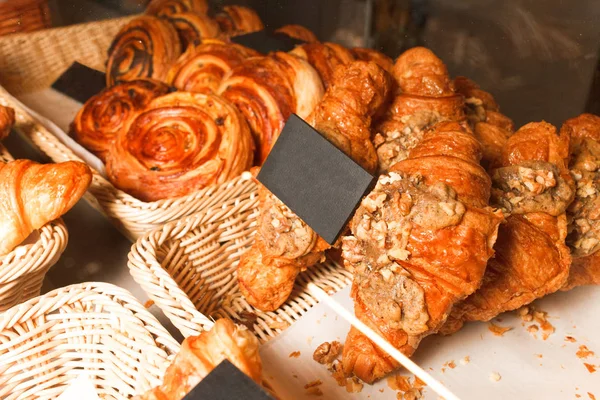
30, 62
22, 271
95, 329
188, 268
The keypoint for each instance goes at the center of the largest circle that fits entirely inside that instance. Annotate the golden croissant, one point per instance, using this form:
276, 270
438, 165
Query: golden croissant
31, 195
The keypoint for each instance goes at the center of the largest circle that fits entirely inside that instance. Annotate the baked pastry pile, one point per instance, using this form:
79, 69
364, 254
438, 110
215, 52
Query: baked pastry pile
32, 194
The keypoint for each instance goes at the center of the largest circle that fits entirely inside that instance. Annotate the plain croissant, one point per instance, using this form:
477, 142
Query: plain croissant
32, 194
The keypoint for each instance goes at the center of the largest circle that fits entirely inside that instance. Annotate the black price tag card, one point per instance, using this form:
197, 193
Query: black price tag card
314, 178
266, 42
80, 82
226, 382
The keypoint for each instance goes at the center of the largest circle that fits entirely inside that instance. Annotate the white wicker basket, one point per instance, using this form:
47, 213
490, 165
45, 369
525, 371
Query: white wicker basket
92, 329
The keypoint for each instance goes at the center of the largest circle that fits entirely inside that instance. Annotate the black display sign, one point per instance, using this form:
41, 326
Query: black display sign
314, 178
266, 42
80, 82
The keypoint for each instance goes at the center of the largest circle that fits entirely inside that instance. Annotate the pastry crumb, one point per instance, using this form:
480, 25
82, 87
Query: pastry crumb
295, 376
338, 374
584, 352
294, 354
149, 304
539, 355
591, 396
577, 395
495, 377
412, 394
313, 384
465, 360
353, 385
498, 330
279, 325
418, 383
314, 391
450, 364
399, 382
570, 339
381, 390
591, 368
533, 328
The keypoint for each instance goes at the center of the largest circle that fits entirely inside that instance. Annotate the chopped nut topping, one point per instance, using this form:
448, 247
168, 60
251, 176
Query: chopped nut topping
353, 385
327, 352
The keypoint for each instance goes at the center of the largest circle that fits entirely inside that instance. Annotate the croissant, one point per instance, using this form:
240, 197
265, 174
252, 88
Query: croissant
144, 48
325, 58
425, 96
192, 28
181, 143
375, 56
267, 90
7, 120
31, 195
298, 32
202, 68
199, 355
533, 188
420, 243
105, 114
584, 213
491, 128
284, 245
164, 8
238, 20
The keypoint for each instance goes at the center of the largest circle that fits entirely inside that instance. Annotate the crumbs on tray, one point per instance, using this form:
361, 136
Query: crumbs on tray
530, 313
313, 389
584, 352
406, 389
498, 330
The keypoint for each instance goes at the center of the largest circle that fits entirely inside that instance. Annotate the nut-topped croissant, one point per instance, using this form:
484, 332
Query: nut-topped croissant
420, 243
425, 96
533, 188
284, 245
7, 120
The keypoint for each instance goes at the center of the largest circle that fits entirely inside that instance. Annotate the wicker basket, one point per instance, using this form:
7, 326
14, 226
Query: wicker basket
32, 62
23, 16
95, 329
22, 271
188, 268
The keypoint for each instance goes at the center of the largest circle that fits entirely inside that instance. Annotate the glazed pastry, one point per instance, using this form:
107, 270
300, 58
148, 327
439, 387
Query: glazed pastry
298, 32
32, 194
163, 8
7, 120
267, 90
181, 143
144, 48
192, 28
533, 188
425, 96
373, 55
202, 68
420, 243
325, 58
238, 20
491, 128
584, 213
105, 114
199, 355
284, 245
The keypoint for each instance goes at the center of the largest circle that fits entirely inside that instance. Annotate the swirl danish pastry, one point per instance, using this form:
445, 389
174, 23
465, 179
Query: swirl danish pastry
533, 188
144, 48
202, 68
284, 245
298, 32
163, 8
267, 90
7, 120
238, 20
425, 96
192, 28
182, 142
420, 243
325, 58
105, 114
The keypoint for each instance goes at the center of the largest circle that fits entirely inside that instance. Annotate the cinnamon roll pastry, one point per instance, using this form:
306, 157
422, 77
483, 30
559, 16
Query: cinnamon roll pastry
420, 243
583, 214
533, 188
238, 20
192, 28
491, 128
325, 58
164, 8
267, 90
284, 245
298, 32
425, 96
375, 56
100, 119
202, 68
144, 48
7, 120
181, 143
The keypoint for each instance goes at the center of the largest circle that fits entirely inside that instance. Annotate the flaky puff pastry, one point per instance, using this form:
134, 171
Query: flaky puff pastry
7, 120
199, 355
180, 143
32, 194
420, 243
425, 96
298, 32
325, 58
584, 213
193, 28
533, 188
163, 8
490, 126
238, 20
267, 90
284, 245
